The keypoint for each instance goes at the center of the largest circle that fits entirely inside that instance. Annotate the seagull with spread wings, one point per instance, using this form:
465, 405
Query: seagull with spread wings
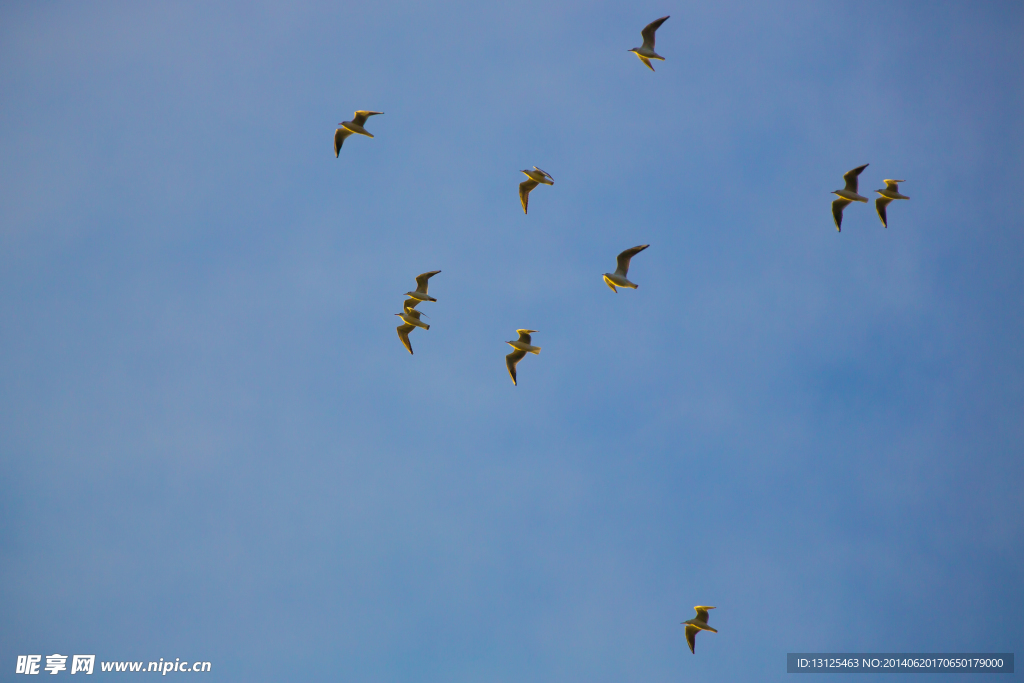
522, 346
533, 179
847, 195
698, 623
422, 284
346, 128
618, 278
646, 51
891, 192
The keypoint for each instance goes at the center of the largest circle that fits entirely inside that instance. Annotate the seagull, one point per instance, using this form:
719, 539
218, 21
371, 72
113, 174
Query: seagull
533, 179
646, 51
846, 195
412, 317
421, 287
891, 192
698, 623
521, 346
618, 278
353, 126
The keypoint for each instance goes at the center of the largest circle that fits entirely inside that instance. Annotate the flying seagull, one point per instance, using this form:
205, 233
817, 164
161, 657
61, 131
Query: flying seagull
522, 346
646, 51
618, 278
846, 195
533, 179
353, 126
421, 287
698, 623
891, 192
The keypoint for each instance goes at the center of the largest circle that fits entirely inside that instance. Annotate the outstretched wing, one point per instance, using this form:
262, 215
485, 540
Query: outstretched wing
410, 304
524, 191
837, 212
524, 335
646, 61
360, 116
880, 205
339, 140
421, 280
622, 261
893, 185
648, 33
851, 177
691, 637
702, 612
403, 334
545, 173
511, 360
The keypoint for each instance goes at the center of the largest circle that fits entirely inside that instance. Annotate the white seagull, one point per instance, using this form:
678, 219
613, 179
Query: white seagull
353, 126
522, 346
533, 179
646, 51
421, 287
846, 195
698, 623
891, 192
618, 278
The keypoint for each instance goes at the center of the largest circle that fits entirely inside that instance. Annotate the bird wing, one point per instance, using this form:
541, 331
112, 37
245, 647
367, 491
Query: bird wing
524, 191
360, 116
893, 185
837, 211
702, 612
545, 173
403, 334
410, 304
880, 205
851, 177
691, 637
511, 360
524, 335
646, 61
339, 140
648, 33
421, 280
622, 261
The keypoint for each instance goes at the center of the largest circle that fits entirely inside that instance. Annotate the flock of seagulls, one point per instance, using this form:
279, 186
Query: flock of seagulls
523, 345
849, 194
409, 315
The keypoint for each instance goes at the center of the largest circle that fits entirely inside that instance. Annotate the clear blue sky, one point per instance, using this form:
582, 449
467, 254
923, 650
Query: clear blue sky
214, 447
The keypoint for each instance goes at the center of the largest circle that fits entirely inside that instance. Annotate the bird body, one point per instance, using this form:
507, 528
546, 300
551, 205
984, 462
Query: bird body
847, 195
533, 179
618, 278
646, 51
890, 193
347, 128
412, 317
522, 346
698, 623
422, 285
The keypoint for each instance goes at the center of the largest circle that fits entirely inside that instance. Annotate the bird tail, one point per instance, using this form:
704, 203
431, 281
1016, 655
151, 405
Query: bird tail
535, 350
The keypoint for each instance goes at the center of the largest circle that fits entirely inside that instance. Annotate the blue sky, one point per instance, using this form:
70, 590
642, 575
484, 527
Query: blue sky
214, 447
